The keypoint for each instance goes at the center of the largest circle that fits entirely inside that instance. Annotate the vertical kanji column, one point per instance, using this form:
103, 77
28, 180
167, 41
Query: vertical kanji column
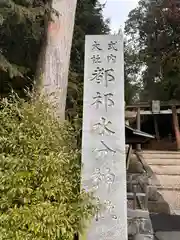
103, 143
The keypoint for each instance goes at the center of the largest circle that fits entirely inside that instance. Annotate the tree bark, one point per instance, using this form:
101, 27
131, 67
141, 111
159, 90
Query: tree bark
57, 54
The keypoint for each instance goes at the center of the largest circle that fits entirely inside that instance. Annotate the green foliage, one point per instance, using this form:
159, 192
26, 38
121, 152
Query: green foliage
154, 30
22, 29
39, 174
131, 73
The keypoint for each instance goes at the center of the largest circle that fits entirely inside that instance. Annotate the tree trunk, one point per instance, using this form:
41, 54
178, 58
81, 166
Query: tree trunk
57, 54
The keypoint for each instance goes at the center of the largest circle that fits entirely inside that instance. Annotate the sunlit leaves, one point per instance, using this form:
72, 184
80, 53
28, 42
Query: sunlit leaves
39, 175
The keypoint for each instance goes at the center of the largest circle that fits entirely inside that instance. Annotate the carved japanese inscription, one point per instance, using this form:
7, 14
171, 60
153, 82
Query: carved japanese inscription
107, 177
103, 143
105, 100
103, 127
103, 76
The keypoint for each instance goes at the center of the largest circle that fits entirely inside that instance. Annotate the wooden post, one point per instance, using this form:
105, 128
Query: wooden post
138, 122
146, 198
128, 156
134, 197
176, 127
156, 127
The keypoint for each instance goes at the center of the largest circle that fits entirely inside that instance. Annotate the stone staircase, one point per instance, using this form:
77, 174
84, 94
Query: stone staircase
164, 177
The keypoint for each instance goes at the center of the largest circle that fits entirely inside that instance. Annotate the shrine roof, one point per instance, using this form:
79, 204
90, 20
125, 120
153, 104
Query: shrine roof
136, 136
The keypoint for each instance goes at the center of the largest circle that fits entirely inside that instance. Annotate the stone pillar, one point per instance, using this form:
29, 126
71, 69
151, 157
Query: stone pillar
103, 142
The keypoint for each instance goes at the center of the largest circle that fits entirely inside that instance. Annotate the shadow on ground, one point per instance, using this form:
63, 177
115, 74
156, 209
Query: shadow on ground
165, 222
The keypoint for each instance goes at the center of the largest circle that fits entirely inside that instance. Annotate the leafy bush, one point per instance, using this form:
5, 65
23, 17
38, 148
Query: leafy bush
39, 175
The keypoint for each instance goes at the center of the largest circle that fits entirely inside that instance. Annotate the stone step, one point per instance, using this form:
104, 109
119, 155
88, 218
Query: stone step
161, 156
166, 170
168, 202
158, 207
160, 162
160, 152
169, 188
166, 181
171, 198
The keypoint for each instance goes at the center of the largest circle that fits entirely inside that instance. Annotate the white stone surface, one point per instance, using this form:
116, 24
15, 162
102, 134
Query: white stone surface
103, 144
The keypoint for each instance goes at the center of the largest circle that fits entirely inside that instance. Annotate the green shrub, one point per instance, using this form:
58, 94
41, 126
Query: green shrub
39, 175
